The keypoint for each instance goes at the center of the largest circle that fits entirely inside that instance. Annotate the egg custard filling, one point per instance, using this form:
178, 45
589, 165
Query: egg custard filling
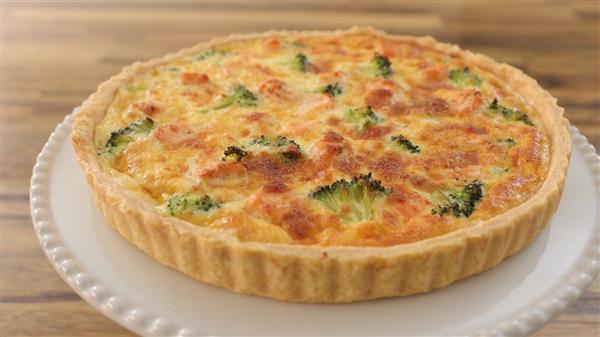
329, 140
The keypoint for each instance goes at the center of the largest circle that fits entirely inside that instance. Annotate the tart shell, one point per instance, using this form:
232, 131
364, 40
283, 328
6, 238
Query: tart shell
314, 273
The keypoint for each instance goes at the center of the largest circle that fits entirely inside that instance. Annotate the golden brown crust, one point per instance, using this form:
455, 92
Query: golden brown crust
318, 274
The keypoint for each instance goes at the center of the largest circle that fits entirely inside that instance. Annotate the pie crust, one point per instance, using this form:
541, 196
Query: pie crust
315, 273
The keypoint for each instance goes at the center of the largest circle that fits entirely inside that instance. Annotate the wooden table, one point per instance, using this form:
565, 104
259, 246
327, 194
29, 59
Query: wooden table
54, 54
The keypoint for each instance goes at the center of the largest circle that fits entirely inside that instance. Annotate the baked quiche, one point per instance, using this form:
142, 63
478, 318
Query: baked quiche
324, 166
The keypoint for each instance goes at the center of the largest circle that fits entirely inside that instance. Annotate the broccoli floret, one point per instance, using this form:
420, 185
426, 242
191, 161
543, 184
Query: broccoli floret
120, 138
300, 62
244, 97
182, 204
132, 89
331, 89
205, 55
234, 152
498, 170
363, 117
279, 141
405, 144
507, 141
383, 66
287, 148
510, 114
464, 77
352, 200
240, 96
461, 202
262, 140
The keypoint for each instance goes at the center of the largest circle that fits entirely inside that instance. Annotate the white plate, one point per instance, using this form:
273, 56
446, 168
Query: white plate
517, 297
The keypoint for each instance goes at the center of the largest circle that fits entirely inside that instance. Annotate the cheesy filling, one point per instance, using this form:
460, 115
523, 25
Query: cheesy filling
353, 140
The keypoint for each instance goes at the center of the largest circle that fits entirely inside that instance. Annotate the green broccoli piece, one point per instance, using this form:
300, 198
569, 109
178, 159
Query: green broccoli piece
262, 140
300, 62
187, 203
507, 141
287, 148
352, 200
234, 152
279, 141
331, 90
405, 144
498, 170
132, 89
383, 66
510, 114
240, 96
205, 55
120, 138
464, 77
461, 202
364, 117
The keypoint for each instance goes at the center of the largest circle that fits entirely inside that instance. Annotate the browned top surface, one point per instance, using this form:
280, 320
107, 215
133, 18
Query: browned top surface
53, 56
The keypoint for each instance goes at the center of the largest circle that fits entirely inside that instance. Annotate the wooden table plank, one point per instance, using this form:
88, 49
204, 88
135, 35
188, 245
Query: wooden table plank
54, 55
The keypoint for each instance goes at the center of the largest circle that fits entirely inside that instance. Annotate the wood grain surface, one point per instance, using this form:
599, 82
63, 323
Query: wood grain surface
55, 53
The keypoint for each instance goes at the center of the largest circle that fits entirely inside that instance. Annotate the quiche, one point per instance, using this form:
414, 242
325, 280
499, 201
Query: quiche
324, 166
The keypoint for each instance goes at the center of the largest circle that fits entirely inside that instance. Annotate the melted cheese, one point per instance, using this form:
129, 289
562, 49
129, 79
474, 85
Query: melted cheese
267, 198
